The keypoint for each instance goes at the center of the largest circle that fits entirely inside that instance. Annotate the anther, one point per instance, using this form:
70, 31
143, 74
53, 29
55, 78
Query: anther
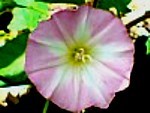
81, 56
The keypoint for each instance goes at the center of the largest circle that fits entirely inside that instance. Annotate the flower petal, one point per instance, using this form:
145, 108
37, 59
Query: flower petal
119, 60
40, 56
66, 93
73, 23
114, 36
92, 81
77, 87
96, 22
49, 34
102, 82
80, 82
46, 80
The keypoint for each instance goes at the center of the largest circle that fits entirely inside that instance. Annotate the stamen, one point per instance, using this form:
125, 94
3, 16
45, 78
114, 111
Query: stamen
81, 56
86, 57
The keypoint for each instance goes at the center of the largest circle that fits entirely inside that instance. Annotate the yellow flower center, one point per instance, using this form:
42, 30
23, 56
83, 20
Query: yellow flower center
81, 56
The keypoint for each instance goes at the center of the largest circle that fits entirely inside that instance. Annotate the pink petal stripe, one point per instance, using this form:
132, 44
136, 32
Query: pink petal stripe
66, 94
114, 33
46, 80
39, 56
98, 20
48, 32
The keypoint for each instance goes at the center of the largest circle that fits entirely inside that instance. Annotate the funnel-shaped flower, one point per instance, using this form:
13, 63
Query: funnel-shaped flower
80, 58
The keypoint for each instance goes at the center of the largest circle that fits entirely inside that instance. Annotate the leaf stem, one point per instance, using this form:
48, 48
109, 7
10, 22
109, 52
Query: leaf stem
46, 106
95, 3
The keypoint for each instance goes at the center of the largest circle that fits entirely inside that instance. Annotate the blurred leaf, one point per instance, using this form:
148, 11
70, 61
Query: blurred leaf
12, 50
148, 46
120, 5
79, 2
5, 4
1, 5
23, 2
28, 18
2, 83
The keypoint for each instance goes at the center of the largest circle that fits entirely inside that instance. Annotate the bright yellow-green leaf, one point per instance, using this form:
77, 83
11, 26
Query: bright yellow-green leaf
24, 18
41, 8
148, 46
23, 2
29, 17
15, 67
12, 61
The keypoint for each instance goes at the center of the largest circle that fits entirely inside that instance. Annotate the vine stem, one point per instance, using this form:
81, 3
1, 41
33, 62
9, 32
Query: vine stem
46, 106
138, 19
95, 3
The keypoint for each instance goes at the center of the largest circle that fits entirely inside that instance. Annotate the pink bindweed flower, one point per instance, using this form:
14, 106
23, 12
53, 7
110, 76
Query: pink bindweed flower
80, 58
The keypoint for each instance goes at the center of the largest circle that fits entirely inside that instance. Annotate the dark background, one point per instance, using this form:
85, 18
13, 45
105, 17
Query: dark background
133, 99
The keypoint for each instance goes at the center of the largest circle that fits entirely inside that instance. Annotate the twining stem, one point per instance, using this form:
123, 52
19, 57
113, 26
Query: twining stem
95, 3
138, 19
46, 106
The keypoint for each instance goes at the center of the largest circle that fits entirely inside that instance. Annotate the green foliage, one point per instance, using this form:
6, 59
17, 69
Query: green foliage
12, 50
23, 2
17, 79
2, 83
79, 2
120, 5
4, 4
28, 17
41, 9
16, 67
148, 46
12, 61
23, 19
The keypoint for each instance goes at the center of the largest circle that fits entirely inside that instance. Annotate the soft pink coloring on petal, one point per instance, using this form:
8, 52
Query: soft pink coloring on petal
78, 87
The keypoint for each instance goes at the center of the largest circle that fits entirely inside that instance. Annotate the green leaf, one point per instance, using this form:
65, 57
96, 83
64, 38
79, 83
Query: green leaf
41, 8
23, 18
79, 2
148, 46
120, 5
29, 17
5, 4
12, 50
16, 67
23, 2
1, 5
9, 80
14, 73
2, 83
